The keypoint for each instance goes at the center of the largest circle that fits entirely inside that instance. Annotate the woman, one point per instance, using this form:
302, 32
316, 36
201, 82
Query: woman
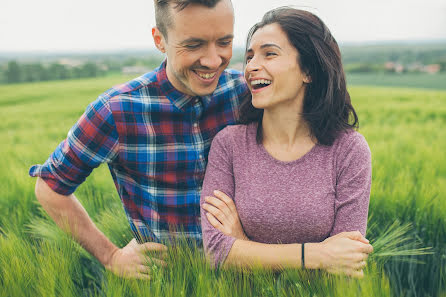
295, 174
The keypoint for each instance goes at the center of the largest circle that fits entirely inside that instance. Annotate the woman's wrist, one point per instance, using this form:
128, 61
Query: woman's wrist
313, 255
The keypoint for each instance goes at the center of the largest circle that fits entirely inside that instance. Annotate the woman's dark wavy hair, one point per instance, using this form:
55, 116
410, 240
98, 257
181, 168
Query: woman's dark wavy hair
327, 107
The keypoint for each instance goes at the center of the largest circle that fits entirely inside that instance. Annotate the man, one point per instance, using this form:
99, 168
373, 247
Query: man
154, 132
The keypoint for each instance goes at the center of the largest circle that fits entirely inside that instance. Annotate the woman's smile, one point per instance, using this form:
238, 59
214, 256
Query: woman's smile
259, 84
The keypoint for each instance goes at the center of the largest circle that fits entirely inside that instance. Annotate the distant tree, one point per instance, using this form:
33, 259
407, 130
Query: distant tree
442, 66
89, 70
2, 74
132, 61
58, 71
76, 72
14, 72
28, 74
43, 72
34, 72
112, 65
363, 68
153, 61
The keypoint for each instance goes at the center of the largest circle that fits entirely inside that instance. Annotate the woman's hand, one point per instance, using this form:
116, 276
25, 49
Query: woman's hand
344, 253
222, 214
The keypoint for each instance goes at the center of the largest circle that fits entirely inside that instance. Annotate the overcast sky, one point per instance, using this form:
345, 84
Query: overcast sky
95, 25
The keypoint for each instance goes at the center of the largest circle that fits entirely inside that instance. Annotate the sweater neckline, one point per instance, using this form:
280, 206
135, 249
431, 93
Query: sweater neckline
263, 150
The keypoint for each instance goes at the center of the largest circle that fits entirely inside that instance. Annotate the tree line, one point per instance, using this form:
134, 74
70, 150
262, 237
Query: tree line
15, 72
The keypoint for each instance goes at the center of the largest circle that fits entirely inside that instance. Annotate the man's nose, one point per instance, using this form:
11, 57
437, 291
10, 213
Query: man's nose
212, 59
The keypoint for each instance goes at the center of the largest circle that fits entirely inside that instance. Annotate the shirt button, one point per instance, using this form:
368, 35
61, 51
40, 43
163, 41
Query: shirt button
201, 156
196, 125
197, 100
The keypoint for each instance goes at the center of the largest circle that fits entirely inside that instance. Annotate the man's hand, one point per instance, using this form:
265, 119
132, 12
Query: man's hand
136, 260
222, 214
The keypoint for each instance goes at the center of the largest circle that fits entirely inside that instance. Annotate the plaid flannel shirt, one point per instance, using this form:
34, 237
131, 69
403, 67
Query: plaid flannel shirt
155, 141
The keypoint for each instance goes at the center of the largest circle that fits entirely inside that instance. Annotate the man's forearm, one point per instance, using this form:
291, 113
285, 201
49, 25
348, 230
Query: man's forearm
274, 256
71, 216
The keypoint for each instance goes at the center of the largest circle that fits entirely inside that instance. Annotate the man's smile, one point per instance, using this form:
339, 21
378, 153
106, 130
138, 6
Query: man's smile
206, 76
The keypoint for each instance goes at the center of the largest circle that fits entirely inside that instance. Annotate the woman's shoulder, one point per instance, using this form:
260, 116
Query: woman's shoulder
232, 140
351, 142
350, 138
234, 133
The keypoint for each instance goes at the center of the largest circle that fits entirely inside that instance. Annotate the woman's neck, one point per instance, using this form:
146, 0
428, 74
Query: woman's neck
284, 126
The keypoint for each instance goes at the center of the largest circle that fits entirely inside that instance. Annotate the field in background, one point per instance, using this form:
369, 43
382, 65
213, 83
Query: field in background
411, 80
405, 131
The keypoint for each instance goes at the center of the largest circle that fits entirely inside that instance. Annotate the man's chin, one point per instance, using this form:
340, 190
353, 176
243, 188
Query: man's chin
202, 86
204, 90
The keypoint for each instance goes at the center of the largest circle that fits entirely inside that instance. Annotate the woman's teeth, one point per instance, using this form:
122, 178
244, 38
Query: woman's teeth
260, 83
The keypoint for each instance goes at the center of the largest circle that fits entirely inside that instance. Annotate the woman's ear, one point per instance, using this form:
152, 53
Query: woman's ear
307, 76
307, 79
158, 38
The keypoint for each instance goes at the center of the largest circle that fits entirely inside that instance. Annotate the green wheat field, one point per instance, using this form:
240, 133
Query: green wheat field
405, 129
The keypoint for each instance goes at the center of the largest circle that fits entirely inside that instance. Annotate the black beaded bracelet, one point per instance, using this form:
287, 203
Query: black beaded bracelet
303, 255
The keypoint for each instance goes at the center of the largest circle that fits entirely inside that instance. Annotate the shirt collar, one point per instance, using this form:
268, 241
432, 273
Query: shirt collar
179, 99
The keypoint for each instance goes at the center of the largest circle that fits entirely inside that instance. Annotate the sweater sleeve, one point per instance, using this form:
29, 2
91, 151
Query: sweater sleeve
219, 176
353, 183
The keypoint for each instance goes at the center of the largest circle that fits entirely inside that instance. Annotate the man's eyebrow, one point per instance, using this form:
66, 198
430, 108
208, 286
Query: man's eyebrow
192, 40
229, 36
199, 40
250, 50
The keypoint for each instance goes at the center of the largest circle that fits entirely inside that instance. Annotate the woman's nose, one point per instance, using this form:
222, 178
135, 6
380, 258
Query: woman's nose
252, 66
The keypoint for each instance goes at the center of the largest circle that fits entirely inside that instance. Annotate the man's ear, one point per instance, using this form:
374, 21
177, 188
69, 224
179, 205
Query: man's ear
158, 38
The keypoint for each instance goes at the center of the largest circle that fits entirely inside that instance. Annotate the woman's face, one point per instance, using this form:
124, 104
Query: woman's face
272, 69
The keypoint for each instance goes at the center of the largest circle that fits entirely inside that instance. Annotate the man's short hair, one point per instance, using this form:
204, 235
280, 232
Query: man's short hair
162, 13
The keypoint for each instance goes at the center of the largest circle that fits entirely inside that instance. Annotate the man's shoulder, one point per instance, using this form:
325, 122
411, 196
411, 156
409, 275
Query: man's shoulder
133, 87
231, 80
232, 74
232, 84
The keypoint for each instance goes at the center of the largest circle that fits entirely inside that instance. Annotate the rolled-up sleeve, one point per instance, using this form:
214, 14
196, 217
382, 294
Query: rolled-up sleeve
91, 141
219, 176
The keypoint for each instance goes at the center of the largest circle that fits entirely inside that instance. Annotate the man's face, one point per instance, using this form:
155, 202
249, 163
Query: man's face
198, 46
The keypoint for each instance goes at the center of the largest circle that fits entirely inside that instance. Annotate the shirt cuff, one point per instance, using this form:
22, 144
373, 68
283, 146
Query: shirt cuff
44, 172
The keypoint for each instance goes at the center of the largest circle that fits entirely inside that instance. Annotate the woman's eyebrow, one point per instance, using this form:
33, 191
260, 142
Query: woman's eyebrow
270, 45
250, 50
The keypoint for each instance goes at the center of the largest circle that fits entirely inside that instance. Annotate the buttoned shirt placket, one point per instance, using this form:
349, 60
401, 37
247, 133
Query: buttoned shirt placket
198, 138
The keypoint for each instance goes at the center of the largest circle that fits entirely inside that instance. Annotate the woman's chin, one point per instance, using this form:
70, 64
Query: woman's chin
260, 104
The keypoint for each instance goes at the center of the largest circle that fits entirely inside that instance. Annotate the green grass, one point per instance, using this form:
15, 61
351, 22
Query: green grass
412, 80
405, 131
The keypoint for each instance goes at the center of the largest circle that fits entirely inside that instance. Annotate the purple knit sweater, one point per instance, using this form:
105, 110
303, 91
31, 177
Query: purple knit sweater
323, 193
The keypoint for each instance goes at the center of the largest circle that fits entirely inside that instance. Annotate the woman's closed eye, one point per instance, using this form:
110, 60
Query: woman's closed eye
267, 54
270, 54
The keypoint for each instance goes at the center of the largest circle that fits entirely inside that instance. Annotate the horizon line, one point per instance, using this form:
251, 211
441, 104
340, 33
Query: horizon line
236, 47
